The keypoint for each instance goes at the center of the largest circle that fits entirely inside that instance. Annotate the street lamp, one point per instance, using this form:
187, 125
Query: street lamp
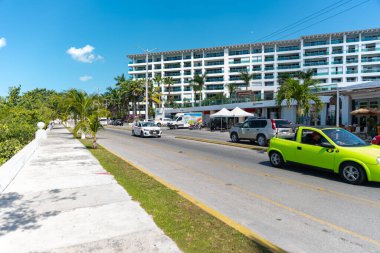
147, 51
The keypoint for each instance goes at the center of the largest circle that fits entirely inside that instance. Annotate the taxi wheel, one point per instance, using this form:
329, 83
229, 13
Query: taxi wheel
352, 173
276, 159
159, 124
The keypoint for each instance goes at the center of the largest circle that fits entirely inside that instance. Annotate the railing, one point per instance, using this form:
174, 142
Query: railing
214, 71
337, 62
269, 77
351, 71
290, 48
269, 59
373, 59
336, 41
316, 53
337, 73
315, 43
215, 63
257, 60
370, 49
288, 58
337, 52
370, 70
315, 63
349, 51
269, 68
240, 62
321, 74
349, 40
369, 38
289, 67
351, 61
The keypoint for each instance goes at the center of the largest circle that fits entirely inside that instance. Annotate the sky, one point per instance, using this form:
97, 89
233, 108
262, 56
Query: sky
63, 44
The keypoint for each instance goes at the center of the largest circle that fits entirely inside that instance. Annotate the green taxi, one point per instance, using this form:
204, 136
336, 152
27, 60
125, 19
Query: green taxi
334, 149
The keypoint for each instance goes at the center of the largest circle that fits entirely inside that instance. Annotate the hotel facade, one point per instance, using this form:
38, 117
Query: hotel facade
343, 58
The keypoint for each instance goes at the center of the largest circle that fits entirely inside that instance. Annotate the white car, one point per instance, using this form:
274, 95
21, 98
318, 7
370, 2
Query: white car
163, 121
103, 121
145, 129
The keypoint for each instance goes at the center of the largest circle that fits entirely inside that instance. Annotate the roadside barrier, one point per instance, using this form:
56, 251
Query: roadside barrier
10, 169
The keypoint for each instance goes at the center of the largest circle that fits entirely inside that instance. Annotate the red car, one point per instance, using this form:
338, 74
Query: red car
376, 140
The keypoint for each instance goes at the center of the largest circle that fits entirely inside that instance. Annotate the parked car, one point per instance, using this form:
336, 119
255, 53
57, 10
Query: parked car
162, 121
334, 149
103, 121
261, 130
376, 140
116, 122
145, 129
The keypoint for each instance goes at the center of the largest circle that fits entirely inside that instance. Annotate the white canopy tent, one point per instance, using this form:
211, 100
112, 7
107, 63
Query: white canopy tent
237, 112
224, 113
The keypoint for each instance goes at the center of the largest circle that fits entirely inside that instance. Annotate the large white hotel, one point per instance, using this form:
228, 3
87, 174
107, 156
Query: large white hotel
336, 58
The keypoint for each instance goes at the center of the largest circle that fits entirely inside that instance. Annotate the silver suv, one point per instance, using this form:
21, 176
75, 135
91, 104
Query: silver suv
261, 130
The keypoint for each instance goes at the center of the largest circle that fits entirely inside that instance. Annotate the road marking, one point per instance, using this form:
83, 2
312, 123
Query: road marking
288, 181
221, 143
258, 196
245, 231
262, 198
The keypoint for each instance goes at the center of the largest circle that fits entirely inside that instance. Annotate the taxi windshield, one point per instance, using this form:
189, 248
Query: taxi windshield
344, 138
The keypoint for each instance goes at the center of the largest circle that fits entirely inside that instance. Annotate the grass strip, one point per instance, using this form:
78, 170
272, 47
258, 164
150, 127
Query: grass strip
193, 229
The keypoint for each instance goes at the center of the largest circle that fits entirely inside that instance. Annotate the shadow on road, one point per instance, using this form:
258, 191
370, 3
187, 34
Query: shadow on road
316, 172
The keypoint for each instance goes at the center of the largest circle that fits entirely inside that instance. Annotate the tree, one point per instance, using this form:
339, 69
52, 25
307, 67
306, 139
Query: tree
169, 82
246, 77
231, 88
198, 83
90, 125
298, 90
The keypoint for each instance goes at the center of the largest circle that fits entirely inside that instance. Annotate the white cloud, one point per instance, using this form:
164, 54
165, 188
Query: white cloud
84, 54
85, 78
3, 42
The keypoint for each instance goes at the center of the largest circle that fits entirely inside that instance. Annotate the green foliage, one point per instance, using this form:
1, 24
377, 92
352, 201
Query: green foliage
19, 115
298, 90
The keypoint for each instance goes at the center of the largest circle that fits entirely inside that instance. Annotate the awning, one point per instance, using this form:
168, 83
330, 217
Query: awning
366, 111
222, 113
238, 112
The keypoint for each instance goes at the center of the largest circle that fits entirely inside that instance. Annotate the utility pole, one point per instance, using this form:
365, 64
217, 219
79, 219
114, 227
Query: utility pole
337, 106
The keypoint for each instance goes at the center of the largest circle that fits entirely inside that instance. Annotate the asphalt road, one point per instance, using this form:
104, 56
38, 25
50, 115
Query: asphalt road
298, 209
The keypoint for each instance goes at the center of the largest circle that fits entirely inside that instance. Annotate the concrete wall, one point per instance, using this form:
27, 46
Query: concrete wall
10, 169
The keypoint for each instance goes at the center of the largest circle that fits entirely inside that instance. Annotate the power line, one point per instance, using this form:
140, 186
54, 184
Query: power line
324, 19
307, 18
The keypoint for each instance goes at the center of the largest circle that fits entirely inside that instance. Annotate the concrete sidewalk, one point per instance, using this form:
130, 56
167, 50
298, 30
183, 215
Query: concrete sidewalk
64, 201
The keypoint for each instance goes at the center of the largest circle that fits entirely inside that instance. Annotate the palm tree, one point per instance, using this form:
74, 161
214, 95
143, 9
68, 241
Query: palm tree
198, 83
169, 82
298, 90
246, 77
90, 125
231, 88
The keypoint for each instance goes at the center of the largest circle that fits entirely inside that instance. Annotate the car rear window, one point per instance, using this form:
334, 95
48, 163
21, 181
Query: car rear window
282, 123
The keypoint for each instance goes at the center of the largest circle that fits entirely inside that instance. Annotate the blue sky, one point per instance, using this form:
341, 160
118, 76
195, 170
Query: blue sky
52, 44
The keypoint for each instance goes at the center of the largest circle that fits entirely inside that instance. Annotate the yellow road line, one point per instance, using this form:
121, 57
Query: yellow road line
289, 181
258, 196
281, 179
221, 143
245, 231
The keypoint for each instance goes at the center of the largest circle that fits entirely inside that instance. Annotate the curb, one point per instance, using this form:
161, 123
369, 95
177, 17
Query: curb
222, 143
245, 231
